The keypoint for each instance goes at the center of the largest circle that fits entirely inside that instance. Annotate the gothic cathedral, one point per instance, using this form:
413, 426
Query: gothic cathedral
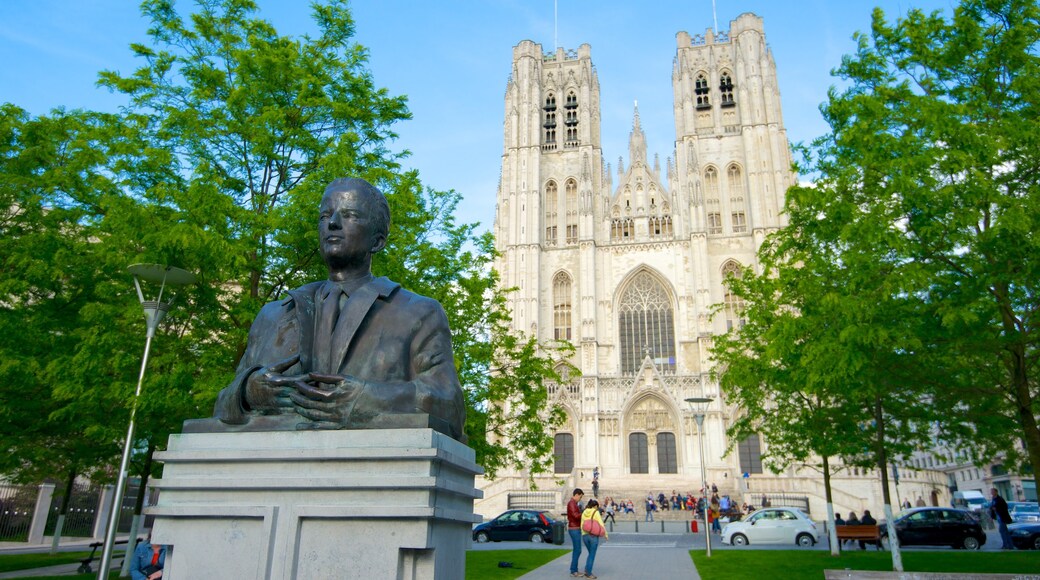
628, 264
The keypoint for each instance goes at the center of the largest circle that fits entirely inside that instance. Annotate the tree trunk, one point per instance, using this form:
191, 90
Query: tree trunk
63, 511
882, 461
832, 533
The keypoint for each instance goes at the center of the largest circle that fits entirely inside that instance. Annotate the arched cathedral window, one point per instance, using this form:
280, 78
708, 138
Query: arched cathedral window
726, 90
562, 306
572, 211
733, 304
711, 199
549, 123
702, 92
571, 119
551, 199
646, 325
736, 198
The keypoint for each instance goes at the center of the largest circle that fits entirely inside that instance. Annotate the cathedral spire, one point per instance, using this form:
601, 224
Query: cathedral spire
636, 141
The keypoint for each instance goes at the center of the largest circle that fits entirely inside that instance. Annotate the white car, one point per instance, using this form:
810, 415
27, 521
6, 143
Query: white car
772, 526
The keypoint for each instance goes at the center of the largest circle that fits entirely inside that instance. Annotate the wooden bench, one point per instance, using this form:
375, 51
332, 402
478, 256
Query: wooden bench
864, 533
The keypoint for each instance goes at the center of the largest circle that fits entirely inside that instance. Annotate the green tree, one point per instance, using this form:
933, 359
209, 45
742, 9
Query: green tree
939, 127
217, 165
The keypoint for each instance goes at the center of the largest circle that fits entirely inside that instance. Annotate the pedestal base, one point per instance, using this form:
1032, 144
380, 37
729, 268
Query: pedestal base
394, 503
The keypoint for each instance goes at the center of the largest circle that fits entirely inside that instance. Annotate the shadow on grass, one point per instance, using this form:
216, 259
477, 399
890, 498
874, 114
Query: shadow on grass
484, 563
802, 564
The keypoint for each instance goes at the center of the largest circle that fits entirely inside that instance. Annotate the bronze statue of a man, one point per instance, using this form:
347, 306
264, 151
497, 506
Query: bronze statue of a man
353, 351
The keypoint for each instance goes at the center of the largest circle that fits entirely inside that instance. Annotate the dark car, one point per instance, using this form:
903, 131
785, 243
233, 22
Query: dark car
532, 525
1026, 535
931, 526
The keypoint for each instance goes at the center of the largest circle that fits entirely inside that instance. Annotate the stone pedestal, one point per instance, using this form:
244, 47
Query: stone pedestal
388, 503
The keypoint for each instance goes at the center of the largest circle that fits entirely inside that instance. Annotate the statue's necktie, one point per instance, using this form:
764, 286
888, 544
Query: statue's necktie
327, 318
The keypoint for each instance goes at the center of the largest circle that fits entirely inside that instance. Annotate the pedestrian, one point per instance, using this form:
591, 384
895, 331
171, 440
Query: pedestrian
592, 531
906, 503
650, 507
920, 501
574, 529
610, 512
866, 520
595, 487
998, 510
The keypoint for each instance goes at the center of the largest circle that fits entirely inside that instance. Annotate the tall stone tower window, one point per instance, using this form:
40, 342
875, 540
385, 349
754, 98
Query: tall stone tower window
666, 462
638, 462
562, 306
726, 90
563, 453
702, 91
736, 200
570, 121
551, 199
733, 304
750, 451
549, 125
571, 192
646, 325
711, 198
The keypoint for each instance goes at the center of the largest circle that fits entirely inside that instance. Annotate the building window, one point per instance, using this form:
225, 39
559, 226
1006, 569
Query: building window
702, 92
563, 453
571, 193
739, 222
562, 306
726, 90
660, 227
637, 453
714, 223
750, 454
621, 230
571, 119
666, 453
646, 325
734, 305
735, 185
551, 198
549, 123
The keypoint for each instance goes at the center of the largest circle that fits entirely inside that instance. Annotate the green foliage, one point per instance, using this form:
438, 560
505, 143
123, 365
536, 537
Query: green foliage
907, 278
217, 166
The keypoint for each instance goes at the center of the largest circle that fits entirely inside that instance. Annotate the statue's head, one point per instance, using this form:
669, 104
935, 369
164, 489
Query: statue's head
354, 223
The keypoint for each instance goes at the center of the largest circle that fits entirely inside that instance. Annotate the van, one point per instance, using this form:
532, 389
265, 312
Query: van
970, 499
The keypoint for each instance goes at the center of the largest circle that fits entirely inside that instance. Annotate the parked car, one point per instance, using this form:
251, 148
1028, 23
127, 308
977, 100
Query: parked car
1024, 511
1026, 535
533, 525
772, 526
932, 526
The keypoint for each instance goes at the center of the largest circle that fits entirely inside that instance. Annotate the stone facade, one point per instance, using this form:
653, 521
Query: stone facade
628, 263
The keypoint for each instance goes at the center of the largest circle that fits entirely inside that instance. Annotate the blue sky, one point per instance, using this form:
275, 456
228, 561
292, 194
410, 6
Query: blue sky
452, 59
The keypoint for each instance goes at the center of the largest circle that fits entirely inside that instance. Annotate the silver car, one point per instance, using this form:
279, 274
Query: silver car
782, 525
1024, 511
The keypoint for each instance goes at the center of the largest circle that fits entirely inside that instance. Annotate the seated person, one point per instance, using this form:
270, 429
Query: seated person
148, 560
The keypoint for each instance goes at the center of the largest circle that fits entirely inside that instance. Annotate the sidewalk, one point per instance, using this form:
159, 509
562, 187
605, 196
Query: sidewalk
628, 559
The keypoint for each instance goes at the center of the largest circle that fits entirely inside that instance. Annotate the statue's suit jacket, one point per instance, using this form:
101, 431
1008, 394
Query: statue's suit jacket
397, 341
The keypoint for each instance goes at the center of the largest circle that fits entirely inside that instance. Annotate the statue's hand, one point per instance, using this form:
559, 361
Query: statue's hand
326, 400
268, 389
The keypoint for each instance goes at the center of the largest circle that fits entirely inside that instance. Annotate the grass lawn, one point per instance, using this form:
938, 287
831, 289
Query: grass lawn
810, 564
479, 564
11, 562
482, 564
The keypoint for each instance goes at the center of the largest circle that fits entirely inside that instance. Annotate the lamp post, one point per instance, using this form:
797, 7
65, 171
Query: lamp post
154, 311
699, 406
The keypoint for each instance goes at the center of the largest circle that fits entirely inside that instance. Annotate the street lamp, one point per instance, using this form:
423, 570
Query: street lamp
154, 311
699, 406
